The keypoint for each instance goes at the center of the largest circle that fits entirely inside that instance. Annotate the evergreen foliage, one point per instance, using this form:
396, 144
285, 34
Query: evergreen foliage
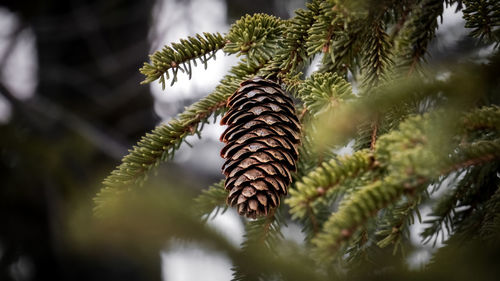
326, 180
416, 132
161, 144
321, 31
484, 18
263, 233
417, 33
324, 91
214, 196
377, 54
292, 55
254, 36
176, 57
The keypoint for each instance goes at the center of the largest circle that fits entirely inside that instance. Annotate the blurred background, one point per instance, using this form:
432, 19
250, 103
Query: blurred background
71, 104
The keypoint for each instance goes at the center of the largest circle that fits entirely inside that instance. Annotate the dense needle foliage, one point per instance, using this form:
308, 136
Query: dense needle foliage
422, 136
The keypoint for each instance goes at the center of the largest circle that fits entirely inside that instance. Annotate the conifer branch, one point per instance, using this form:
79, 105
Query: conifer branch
262, 233
478, 182
320, 92
352, 213
417, 33
321, 32
255, 36
441, 217
365, 135
340, 125
490, 226
292, 84
377, 58
292, 55
483, 17
161, 144
485, 118
309, 158
175, 57
409, 131
356, 20
404, 11
324, 92
394, 225
344, 52
214, 197
408, 173
473, 154
359, 248
322, 182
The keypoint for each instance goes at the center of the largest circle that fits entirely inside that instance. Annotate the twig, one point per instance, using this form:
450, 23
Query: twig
375, 125
49, 110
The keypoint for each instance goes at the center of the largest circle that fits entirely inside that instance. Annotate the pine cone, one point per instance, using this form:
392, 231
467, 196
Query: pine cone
261, 146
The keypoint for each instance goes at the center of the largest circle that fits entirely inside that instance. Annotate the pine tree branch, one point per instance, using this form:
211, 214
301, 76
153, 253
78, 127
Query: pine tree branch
338, 126
351, 215
342, 124
321, 182
262, 233
360, 32
485, 118
405, 11
214, 197
441, 214
321, 32
344, 52
417, 33
255, 36
320, 92
473, 154
365, 204
394, 225
473, 183
263, 263
161, 144
323, 92
292, 55
377, 55
472, 207
174, 58
483, 17
490, 226
412, 161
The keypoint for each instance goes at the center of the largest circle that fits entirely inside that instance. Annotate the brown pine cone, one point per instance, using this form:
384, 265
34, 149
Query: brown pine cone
261, 146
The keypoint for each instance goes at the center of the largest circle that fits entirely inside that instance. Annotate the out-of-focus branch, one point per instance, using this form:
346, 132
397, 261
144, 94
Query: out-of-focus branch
44, 108
11, 44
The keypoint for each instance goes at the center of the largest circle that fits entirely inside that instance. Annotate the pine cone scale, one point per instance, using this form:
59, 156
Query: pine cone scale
258, 98
261, 146
261, 129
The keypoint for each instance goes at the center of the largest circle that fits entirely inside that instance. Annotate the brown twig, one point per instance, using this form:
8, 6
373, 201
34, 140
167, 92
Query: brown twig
375, 125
